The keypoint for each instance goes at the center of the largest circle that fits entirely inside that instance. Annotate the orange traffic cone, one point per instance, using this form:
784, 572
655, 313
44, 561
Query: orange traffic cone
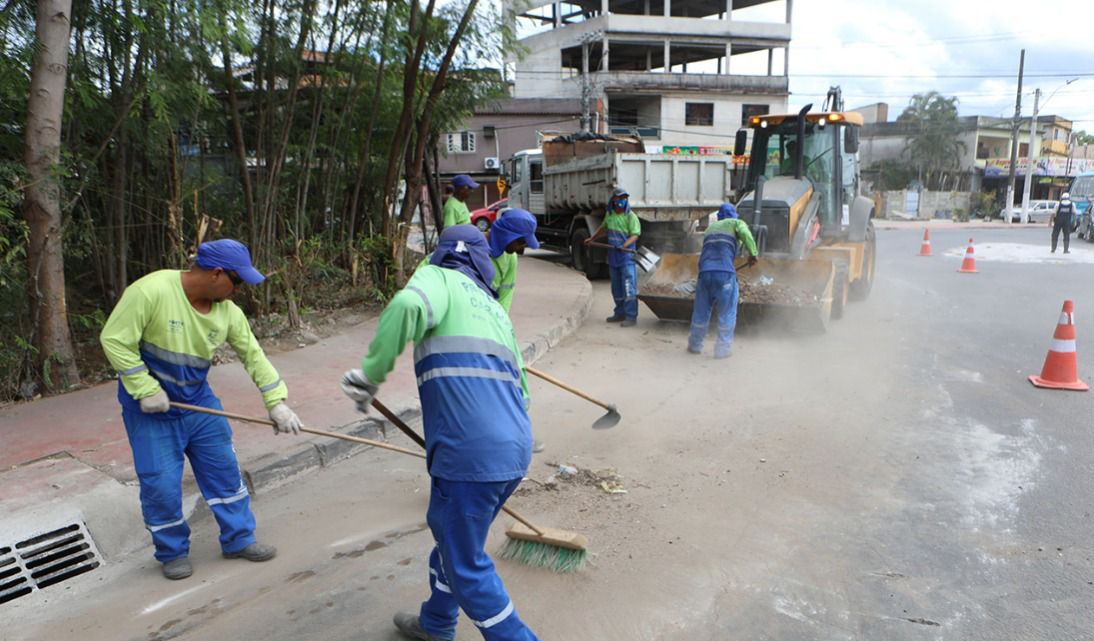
925, 248
1061, 368
968, 266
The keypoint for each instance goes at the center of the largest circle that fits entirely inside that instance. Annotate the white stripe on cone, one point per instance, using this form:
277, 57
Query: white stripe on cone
1062, 346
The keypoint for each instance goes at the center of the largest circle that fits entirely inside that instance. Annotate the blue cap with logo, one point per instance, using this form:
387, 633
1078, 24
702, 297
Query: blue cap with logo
230, 255
463, 180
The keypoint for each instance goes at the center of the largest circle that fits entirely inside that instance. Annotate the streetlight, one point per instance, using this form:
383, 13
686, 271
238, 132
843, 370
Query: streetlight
1028, 182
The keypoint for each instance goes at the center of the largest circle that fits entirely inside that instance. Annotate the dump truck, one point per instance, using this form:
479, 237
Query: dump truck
813, 229
567, 185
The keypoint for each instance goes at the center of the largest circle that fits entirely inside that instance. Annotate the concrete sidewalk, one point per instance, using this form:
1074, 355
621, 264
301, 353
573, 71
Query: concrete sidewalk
66, 459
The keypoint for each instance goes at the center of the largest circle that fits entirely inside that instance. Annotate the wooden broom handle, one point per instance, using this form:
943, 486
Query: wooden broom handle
398, 422
263, 421
573, 390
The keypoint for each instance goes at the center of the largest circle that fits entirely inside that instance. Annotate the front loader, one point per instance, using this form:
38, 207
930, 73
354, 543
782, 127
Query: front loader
813, 230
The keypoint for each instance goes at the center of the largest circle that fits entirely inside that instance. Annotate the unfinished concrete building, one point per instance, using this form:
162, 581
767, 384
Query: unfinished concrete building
682, 73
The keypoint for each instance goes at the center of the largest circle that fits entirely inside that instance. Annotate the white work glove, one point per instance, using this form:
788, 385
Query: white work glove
357, 386
285, 420
157, 403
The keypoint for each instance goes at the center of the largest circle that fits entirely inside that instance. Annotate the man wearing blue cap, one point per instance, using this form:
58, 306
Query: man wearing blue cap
455, 208
478, 435
512, 233
717, 284
161, 338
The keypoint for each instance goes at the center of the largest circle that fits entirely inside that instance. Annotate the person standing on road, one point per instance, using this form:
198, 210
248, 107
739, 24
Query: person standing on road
717, 284
512, 233
1061, 221
477, 432
622, 228
455, 207
161, 338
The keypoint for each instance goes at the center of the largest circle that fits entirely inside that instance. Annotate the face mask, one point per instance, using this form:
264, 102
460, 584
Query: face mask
621, 204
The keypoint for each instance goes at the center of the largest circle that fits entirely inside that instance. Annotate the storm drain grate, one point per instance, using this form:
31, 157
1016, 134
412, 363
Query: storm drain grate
45, 560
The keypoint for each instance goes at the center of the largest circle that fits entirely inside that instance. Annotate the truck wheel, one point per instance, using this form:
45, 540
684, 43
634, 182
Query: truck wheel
860, 289
582, 256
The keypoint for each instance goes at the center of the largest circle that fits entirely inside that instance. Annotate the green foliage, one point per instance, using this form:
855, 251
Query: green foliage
934, 145
893, 174
1080, 137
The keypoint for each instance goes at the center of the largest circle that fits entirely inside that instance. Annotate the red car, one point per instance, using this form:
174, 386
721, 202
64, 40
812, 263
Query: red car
483, 218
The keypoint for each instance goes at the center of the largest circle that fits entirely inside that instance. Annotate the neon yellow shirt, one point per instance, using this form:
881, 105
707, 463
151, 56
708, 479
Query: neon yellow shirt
155, 339
456, 212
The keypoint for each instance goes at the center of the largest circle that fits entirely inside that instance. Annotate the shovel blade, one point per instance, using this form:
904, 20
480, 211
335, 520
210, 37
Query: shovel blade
609, 420
646, 259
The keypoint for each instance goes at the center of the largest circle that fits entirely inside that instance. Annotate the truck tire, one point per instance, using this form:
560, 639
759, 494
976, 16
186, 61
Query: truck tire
860, 289
582, 256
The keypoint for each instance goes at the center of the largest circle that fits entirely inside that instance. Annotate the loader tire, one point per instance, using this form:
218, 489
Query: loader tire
860, 289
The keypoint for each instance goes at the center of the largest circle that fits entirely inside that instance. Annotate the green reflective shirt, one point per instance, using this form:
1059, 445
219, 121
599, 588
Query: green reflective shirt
505, 278
456, 212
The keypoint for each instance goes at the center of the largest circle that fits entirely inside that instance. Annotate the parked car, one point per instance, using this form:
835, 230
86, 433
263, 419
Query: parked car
1040, 211
483, 218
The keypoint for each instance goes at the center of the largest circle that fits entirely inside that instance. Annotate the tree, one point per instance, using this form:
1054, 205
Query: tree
1082, 138
42, 197
934, 145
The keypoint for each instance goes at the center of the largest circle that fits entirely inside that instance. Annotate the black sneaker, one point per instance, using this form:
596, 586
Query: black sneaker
409, 626
179, 568
256, 552
614, 319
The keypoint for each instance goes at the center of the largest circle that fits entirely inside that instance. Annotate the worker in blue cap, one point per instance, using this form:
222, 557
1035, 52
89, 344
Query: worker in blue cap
160, 338
512, 233
455, 208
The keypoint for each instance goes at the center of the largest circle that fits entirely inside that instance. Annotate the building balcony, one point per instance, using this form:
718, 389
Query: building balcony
661, 28
640, 81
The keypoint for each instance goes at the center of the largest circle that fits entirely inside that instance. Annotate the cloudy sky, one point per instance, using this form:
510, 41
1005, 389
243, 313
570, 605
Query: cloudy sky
888, 50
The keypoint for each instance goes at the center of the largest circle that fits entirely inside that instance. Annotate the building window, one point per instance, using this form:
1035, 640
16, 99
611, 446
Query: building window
699, 114
461, 143
747, 111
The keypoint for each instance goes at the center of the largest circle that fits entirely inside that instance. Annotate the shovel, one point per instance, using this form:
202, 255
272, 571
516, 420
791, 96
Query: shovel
646, 258
604, 422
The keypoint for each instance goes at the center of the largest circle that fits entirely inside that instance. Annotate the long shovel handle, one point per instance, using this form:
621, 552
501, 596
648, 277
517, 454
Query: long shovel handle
398, 422
573, 390
607, 246
263, 421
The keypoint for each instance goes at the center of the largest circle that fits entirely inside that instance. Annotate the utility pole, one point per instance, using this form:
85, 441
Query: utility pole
1029, 171
1014, 139
586, 92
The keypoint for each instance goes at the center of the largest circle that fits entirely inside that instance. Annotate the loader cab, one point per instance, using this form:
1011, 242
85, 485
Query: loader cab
828, 145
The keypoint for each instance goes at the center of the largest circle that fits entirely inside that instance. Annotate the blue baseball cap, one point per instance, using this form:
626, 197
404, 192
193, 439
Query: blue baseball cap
230, 255
463, 180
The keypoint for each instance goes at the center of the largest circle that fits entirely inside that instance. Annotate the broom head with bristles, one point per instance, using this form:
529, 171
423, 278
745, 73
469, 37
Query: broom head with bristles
558, 550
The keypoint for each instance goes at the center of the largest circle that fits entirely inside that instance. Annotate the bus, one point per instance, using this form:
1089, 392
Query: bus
1082, 194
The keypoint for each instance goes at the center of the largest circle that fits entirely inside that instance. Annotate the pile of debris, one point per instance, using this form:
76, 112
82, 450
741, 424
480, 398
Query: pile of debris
606, 480
763, 291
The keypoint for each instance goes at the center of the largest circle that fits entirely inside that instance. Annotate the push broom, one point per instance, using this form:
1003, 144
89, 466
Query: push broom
528, 543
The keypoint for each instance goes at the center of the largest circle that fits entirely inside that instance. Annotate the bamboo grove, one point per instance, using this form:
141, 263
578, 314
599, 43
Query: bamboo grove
305, 128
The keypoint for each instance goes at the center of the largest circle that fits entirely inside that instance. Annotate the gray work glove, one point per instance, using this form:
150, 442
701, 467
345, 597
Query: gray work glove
157, 403
285, 420
357, 386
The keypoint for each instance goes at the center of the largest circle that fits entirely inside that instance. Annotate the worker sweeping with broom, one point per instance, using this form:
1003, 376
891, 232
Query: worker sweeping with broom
477, 432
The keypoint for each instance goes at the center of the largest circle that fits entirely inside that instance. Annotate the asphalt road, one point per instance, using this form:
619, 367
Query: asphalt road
897, 478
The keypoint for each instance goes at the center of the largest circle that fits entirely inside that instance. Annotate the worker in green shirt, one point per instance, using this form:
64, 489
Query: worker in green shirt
512, 232
455, 208
622, 228
716, 287
161, 338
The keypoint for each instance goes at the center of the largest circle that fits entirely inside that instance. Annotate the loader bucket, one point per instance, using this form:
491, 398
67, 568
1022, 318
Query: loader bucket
793, 295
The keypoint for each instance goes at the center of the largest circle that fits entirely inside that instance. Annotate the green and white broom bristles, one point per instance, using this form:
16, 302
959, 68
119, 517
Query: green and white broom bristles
542, 555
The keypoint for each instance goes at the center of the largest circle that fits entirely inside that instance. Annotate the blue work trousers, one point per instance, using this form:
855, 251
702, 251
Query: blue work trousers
461, 574
625, 290
715, 290
158, 448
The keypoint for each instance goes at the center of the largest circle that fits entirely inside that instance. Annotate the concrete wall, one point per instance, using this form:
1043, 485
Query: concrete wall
931, 204
727, 118
512, 133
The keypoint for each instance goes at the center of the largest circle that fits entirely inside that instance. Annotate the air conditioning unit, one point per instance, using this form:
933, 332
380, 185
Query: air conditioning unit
491, 162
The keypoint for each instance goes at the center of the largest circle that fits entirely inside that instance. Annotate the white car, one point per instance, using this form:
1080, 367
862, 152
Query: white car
1040, 211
